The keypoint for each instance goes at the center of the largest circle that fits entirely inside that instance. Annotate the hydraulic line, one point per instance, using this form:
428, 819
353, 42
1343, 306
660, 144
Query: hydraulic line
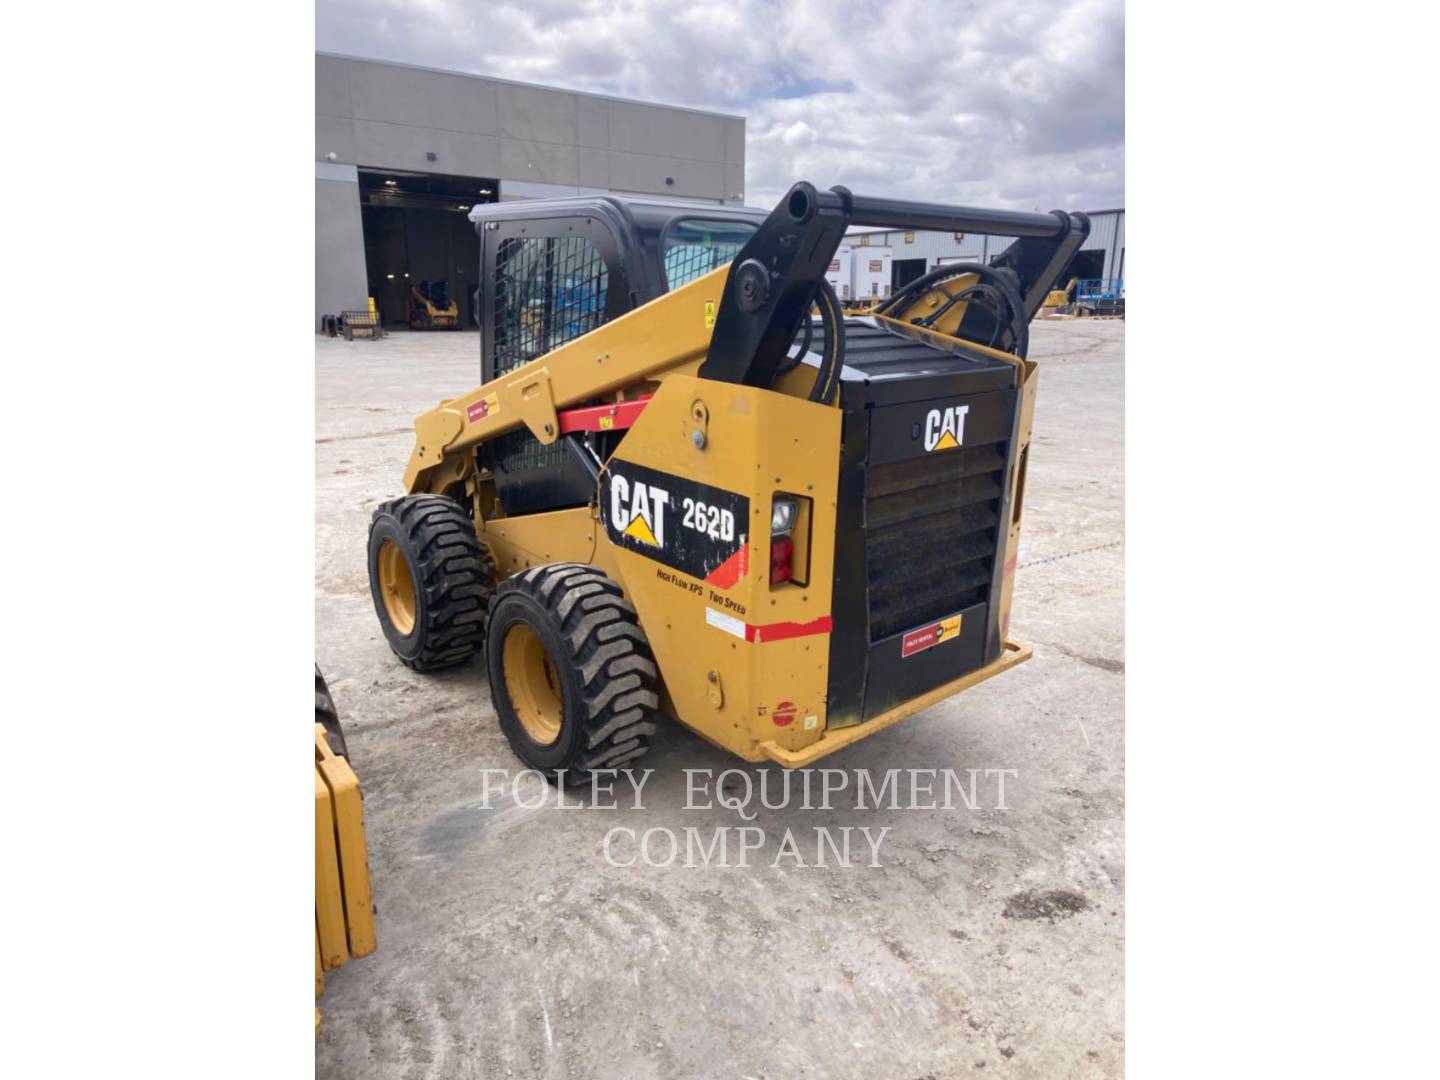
993, 283
832, 349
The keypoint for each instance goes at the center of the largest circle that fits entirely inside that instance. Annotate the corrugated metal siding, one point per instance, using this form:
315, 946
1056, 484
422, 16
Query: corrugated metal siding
1114, 262
1102, 232
1107, 234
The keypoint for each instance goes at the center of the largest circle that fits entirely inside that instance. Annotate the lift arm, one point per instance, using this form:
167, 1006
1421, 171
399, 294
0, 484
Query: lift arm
761, 298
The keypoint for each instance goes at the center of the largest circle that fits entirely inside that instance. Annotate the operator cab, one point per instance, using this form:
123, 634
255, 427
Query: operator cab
555, 269
552, 270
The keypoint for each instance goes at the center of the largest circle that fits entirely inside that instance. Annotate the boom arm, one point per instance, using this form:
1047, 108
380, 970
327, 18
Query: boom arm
761, 297
667, 335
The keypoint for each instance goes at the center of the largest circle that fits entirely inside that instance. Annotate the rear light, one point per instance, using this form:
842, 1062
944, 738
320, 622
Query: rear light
782, 516
785, 512
782, 549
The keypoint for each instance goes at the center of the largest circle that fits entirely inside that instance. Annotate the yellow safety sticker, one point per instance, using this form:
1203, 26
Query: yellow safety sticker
709, 314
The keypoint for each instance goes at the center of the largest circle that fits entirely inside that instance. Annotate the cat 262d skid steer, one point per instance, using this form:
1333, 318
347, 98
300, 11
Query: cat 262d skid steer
689, 485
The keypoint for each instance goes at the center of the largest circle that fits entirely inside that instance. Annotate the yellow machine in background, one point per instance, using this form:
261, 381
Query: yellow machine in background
688, 497
344, 912
431, 307
1056, 299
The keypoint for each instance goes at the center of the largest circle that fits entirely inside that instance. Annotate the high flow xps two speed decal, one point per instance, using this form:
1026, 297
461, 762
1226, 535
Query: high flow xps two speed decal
697, 529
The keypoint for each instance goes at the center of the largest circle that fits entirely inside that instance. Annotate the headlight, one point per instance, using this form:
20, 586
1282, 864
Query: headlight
782, 517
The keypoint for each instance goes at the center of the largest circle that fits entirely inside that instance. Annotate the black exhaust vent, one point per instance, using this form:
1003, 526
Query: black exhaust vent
930, 525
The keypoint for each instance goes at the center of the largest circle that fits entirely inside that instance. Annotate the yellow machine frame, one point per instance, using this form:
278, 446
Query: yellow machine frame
732, 663
344, 912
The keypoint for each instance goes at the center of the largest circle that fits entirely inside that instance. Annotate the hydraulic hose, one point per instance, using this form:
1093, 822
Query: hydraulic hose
832, 358
992, 279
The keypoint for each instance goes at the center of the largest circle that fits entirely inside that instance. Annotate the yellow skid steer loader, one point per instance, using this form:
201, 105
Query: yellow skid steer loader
689, 485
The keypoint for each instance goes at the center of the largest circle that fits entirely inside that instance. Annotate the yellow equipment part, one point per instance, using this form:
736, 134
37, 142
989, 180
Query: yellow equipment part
344, 911
425, 315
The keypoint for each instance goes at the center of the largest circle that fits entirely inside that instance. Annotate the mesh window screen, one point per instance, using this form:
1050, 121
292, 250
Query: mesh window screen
548, 290
694, 247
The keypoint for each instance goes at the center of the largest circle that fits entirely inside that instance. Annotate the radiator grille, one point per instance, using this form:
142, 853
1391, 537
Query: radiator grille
930, 532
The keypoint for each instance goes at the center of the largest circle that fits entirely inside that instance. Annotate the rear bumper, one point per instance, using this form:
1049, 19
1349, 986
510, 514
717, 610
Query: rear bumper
1010, 655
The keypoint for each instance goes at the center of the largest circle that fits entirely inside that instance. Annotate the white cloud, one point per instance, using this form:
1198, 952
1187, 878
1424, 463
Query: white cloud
975, 102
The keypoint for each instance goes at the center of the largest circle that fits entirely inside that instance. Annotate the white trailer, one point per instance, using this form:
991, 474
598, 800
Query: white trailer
871, 280
840, 275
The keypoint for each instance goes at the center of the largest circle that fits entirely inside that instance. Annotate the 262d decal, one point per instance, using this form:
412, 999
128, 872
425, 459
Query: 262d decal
692, 527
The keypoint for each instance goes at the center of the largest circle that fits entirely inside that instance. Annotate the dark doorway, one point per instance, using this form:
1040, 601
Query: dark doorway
417, 229
904, 271
1085, 265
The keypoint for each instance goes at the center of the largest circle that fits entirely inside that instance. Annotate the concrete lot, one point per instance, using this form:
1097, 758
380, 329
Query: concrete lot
987, 943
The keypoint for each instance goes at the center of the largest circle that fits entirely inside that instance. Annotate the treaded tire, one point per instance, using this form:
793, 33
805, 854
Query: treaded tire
327, 716
452, 579
601, 657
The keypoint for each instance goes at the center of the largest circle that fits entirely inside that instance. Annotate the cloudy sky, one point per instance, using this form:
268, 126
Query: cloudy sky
971, 101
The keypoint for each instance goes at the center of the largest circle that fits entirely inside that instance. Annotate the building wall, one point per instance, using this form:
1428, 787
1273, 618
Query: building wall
536, 141
339, 242
1107, 234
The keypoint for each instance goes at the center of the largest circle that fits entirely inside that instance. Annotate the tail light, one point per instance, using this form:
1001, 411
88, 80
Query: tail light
789, 523
782, 550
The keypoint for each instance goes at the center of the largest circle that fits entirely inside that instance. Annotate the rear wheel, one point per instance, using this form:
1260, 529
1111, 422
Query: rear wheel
431, 580
327, 716
571, 673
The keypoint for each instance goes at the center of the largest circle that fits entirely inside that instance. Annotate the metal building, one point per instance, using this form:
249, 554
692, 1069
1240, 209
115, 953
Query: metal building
1101, 256
403, 152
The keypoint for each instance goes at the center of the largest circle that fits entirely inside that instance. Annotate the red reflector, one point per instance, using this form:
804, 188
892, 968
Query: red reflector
781, 548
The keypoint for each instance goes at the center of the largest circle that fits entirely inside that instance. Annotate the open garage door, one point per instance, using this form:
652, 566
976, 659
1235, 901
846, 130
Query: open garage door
1085, 266
904, 271
417, 231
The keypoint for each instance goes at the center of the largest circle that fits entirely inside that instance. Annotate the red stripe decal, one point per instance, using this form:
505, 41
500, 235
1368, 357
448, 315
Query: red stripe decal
1010, 564
731, 570
779, 631
615, 417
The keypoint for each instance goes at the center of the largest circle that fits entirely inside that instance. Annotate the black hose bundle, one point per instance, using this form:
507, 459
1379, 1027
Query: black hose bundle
832, 350
995, 293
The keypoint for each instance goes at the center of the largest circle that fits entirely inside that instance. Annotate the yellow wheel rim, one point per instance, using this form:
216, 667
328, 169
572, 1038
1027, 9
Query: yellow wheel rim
533, 683
397, 587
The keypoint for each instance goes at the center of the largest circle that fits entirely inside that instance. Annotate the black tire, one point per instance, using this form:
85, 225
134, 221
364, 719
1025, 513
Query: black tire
598, 653
327, 716
452, 578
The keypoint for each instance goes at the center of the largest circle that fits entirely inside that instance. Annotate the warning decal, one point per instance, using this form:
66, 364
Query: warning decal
488, 405
691, 527
927, 637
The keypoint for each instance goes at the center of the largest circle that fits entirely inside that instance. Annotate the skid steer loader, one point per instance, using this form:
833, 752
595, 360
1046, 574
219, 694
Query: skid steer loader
689, 485
431, 307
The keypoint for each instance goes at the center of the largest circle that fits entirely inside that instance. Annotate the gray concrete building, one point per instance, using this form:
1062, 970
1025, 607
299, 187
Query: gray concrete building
402, 152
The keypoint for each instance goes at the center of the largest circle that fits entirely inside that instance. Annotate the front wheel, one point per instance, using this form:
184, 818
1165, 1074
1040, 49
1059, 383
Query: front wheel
571, 673
431, 580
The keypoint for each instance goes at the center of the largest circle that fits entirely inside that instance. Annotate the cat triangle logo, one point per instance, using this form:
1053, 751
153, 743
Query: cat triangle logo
641, 507
945, 428
641, 531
